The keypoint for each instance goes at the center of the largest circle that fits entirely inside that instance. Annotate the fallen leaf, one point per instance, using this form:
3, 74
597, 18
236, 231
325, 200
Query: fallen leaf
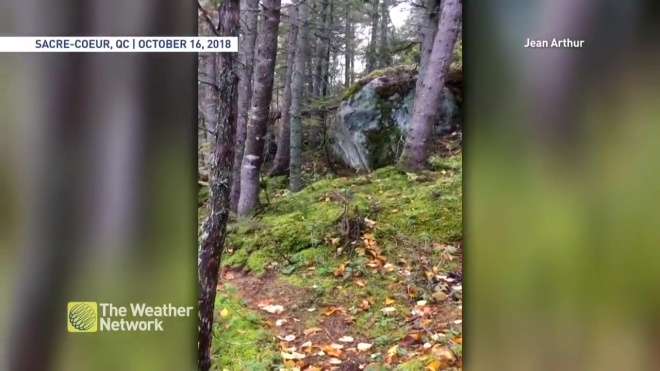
458, 340
369, 223
444, 353
288, 338
364, 346
334, 352
364, 304
421, 302
412, 176
224, 313
434, 366
346, 339
334, 361
280, 322
391, 354
394, 211
411, 339
389, 301
329, 311
275, 309
311, 330
388, 310
292, 355
360, 282
336, 346
439, 295
458, 321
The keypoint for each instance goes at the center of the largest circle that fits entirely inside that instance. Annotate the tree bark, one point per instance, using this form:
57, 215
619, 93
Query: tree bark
428, 30
283, 155
209, 103
348, 33
295, 179
261, 98
372, 52
321, 42
248, 28
220, 183
384, 59
415, 150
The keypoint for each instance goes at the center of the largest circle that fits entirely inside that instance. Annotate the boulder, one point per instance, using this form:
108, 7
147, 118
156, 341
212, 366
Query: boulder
369, 128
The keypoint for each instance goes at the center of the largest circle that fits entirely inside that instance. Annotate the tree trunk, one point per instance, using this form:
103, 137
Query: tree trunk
384, 59
261, 98
415, 150
372, 52
428, 30
220, 183
248, 28
281, 163
328, 45
321, 42
348, 33
295, 179
209, 101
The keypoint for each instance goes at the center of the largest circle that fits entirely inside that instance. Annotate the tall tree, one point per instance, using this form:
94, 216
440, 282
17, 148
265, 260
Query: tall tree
372, 52
295, 178
321, 42
281, 162
248, 28
415, 149
428, 29
384, 58
259, 112
207, 81
220, 183
209, 102
348, 35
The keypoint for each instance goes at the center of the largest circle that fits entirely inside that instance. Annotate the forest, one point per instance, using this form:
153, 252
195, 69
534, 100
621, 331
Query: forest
330, 185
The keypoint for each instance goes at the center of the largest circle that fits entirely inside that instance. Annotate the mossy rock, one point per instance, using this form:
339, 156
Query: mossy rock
372, 120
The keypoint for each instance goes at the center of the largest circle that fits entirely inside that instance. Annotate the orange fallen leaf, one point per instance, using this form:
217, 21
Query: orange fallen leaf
412, 291
331, 351
392, 354
330, 310
389, 301
360, 282
311, 330
411, 339
434, 366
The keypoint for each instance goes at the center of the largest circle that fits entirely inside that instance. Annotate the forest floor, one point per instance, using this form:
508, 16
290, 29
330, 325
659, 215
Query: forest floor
360, 272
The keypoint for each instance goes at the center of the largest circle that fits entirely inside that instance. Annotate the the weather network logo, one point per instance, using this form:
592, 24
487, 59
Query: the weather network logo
83, 317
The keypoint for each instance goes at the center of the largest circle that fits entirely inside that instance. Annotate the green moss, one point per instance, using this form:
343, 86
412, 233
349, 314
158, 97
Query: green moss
414, 364
396, 75
277, 182
202, 194
424, 208
240, 341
